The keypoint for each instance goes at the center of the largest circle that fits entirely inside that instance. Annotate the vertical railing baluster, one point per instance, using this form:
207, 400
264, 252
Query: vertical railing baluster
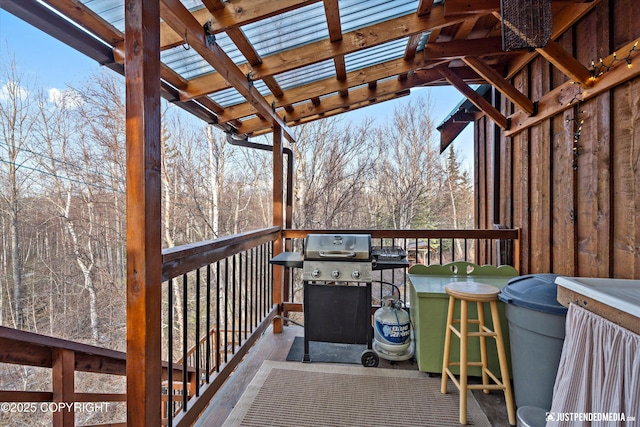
250, 285
260, 283
269, 269
185, 334
453, 249
170, 407
226, 308
208, 326
466, 253
217, 334
197, 337
233, 304
246, 298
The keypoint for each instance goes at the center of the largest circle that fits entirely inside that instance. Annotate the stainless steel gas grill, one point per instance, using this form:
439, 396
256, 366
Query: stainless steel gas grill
343, 257
337, 275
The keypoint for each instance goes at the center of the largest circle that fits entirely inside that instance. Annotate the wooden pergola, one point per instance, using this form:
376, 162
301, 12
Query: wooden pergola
452, 42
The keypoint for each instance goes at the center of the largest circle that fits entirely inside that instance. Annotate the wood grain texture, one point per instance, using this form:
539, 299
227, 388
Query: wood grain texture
540, 173
144, 257
626, 181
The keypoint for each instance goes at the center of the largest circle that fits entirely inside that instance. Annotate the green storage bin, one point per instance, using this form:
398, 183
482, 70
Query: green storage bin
428, 308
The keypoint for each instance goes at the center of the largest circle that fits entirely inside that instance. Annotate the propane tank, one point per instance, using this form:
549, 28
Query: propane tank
392, 330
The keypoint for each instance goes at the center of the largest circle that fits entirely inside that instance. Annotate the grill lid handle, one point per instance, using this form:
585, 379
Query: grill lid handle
336, 254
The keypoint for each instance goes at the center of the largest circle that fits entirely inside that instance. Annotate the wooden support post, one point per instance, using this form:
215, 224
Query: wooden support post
278, 220
63, 387
144, 246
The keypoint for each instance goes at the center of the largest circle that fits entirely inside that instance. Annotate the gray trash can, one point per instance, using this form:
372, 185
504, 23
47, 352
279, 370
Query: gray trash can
536, 334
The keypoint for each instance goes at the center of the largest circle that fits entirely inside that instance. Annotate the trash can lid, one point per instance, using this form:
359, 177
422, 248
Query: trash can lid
535, 291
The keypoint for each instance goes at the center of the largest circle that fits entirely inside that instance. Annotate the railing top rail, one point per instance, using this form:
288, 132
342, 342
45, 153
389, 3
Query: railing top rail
28, 348
414, 234
31, 349
182, 259
33, 339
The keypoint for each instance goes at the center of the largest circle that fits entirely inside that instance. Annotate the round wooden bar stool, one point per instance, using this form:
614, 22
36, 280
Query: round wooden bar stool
469, 292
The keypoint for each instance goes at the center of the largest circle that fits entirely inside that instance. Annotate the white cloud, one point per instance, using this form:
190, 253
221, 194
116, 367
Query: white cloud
11, 90
67, 98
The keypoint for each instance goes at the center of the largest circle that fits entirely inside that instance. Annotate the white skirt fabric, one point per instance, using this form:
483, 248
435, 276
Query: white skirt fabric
598, 380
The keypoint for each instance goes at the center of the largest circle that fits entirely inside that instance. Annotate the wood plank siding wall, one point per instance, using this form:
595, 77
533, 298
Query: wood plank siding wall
578, 215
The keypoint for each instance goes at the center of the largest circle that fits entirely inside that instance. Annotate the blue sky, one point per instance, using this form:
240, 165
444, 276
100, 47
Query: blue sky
52, 64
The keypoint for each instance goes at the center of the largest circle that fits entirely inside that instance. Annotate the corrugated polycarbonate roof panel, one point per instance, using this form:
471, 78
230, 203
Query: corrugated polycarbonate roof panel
288, 30
375, 55
189, 64
310, 73
228, 97
111, 11
355, 14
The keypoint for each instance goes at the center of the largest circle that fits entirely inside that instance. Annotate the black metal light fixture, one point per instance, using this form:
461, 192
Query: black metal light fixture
526, 24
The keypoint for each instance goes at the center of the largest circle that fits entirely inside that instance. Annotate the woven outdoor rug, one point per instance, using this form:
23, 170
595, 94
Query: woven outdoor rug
293, 394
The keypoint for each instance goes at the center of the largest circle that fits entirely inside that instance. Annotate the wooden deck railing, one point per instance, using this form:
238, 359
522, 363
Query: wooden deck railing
219, 299
64, 358
496, 246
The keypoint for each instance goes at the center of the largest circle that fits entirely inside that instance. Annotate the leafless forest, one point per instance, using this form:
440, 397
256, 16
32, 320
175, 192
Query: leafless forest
62, 194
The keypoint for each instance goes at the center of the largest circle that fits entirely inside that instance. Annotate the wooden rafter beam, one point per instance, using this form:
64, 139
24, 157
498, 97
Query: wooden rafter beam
460, 48
332, 14
325, 49
435, 51
458, 7
336, 112
424, 7
88, 19
327, 86
213, 5
249, 52
353, 41
233, 15
568, 94
565, 62
500, 83
473, 96
412, 46
466, 27
372, 93
180, 19
565, 15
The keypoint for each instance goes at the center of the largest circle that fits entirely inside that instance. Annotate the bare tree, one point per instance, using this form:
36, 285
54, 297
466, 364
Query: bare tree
16, 127
333, 166
68, 163
405, 174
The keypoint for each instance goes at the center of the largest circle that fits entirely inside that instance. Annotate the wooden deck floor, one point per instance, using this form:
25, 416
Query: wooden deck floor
276, 347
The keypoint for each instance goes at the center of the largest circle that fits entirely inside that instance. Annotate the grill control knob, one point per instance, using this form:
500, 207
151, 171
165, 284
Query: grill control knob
355, 274
335, 274
315, 273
